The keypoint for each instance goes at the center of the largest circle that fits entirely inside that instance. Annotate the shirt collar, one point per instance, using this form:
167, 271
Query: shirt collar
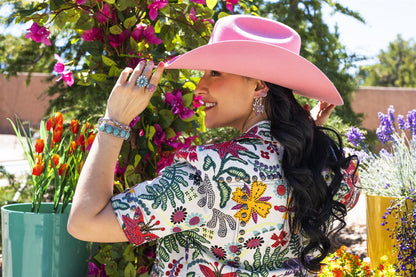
260, 130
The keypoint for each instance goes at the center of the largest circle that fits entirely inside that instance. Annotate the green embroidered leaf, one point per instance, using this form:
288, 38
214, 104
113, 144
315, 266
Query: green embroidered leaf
247, 266
281, 256
164, 256
225, 193
264, 272
233, 158
273, 258
167, 243
171, 198
195, 236
257, 259
173, 243
190, 274
266, 256
248, 154
197, 261
208, 162
244, 275
120, 205
237, 172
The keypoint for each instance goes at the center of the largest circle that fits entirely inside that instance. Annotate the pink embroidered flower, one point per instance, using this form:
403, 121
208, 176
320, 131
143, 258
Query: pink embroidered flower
156, 5
59, 68
192, 15
175, 100
197, 101
230, 4
38, 34
203, 2
92, 34
103, 15
149, 34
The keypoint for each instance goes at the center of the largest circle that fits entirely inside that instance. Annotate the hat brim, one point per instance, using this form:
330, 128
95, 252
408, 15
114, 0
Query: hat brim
262, 61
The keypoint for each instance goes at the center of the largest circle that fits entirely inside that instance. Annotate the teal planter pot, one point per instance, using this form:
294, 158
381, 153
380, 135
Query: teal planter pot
38, 244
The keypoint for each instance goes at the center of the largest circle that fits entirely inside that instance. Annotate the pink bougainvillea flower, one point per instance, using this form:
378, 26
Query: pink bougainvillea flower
175, 100
114, 40
203, 2
156, 5
209, 20
134, 121
165, 160
137, 33
94, 270
192, 15
159, 136
103, 15
38, 34
124, 35
197, 101
80, 2
149, 34
230, 4
59, 68
92, 34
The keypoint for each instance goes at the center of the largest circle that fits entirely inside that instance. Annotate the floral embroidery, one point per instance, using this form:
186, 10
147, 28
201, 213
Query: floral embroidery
194, 219
229, 147
280, 240
251, 203
216, 272
137, 231
178, 215
219, 252
265, 154
254, 242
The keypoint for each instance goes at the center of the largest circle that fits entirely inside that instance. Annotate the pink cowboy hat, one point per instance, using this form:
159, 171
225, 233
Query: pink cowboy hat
263, 49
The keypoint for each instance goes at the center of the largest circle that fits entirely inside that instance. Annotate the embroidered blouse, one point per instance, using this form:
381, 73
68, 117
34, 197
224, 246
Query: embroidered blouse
220, 210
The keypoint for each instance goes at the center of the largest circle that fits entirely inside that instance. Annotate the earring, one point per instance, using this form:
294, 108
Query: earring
258, 106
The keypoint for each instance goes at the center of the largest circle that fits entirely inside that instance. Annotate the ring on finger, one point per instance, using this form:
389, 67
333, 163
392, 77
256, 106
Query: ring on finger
151, 88
141, 81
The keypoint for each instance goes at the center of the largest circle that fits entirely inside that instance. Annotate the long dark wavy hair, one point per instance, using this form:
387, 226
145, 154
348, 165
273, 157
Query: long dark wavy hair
308, 150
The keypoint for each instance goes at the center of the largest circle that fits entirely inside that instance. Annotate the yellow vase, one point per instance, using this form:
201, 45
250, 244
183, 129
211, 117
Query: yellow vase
379, 243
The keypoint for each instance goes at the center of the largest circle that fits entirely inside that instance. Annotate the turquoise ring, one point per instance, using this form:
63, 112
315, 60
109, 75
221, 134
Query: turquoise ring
141, 81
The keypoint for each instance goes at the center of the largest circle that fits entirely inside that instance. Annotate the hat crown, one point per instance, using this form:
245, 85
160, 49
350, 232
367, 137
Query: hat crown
258, 29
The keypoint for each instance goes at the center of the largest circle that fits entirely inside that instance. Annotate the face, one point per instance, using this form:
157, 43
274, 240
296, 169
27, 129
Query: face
228, 100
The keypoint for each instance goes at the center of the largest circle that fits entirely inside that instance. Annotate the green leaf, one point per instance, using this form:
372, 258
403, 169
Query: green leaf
137, 159
164, 256
130, 22
187, 99
128, 254
85, 22
211, 4
110, 1
114, 71
107, 61
166, 118
225, 193
122, 5
115, 30
99, 77
222, 14
257, 259
208, 162
130, 271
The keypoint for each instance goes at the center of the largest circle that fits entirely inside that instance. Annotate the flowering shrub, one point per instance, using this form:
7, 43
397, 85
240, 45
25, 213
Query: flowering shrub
341, 263
392, 172
56, 158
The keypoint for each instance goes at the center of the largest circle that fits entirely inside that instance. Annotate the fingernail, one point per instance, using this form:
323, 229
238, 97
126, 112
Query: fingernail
161, 64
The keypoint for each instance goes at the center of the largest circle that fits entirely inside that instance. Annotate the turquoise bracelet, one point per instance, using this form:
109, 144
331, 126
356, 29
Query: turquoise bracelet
114, 128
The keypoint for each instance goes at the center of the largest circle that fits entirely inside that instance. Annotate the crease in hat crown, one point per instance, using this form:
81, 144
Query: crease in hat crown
263, 49
257, 29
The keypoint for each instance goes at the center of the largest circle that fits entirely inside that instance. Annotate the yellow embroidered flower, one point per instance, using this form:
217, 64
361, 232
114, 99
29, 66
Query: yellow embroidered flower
251, 203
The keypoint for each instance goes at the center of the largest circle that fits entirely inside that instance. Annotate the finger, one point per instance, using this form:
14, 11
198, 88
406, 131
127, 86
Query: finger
157, 75
136, 73
122, 79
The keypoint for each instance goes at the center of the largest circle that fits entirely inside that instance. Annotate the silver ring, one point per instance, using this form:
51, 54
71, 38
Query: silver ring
150, 87
141, 81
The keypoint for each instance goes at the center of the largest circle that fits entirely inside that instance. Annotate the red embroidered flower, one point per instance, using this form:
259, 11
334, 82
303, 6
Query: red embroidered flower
280, 240
265, 154
254, 242
136, 230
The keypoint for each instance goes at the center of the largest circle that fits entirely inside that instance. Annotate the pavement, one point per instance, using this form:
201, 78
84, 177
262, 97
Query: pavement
13, 159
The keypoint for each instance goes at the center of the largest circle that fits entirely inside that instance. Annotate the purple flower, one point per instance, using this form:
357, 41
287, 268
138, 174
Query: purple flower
149, 34
134, 121
197, 101
401, 122
411, 122
390, 112
59, 68
94, 270
175, 100
156, 5
192, 15
385, 130
159, 136
80, 2
355, 136
92, 34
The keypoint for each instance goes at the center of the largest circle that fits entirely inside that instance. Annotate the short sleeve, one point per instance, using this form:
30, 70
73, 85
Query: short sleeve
160, 207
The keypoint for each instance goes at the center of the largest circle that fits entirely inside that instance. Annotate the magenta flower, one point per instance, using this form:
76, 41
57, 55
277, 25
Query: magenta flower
178, 145
197, 101
159, 136
120, 170
134, 121
59, 68
156, 5
230, 4
175, 100
165, 160
103, 15
38, 34
92, 34
116, 40
192, 15
80, 2
137, 34
203, 2
149, 34
94, 270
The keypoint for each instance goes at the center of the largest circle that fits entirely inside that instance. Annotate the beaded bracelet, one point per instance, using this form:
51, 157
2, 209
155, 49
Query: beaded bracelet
113, 127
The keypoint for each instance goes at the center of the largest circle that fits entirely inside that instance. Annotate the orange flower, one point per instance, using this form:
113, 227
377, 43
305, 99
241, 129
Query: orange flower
57, 133
72, 147
81, 164
58, 120
74, 126
38, 168
337, 272
55, 159
91, 138
49, 124
63, 169
40, 143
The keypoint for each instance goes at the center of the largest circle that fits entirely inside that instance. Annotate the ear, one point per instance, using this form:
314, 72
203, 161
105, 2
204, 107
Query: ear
261, 89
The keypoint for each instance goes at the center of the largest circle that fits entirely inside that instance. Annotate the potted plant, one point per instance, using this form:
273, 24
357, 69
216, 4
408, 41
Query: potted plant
35, 239
389, 180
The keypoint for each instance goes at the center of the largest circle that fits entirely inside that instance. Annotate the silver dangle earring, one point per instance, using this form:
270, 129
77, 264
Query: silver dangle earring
258, 106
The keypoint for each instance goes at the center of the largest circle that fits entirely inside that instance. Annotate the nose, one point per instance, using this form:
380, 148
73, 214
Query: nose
199, 89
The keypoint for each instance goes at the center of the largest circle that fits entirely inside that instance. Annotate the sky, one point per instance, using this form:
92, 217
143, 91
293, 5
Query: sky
385, 19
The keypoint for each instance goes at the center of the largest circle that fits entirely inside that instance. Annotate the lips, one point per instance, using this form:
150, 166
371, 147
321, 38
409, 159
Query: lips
209, 105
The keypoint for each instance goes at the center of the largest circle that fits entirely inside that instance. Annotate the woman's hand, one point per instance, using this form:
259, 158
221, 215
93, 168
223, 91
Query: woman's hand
321, 112
127, 99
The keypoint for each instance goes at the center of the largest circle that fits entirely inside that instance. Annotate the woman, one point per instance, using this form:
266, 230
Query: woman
259, 204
